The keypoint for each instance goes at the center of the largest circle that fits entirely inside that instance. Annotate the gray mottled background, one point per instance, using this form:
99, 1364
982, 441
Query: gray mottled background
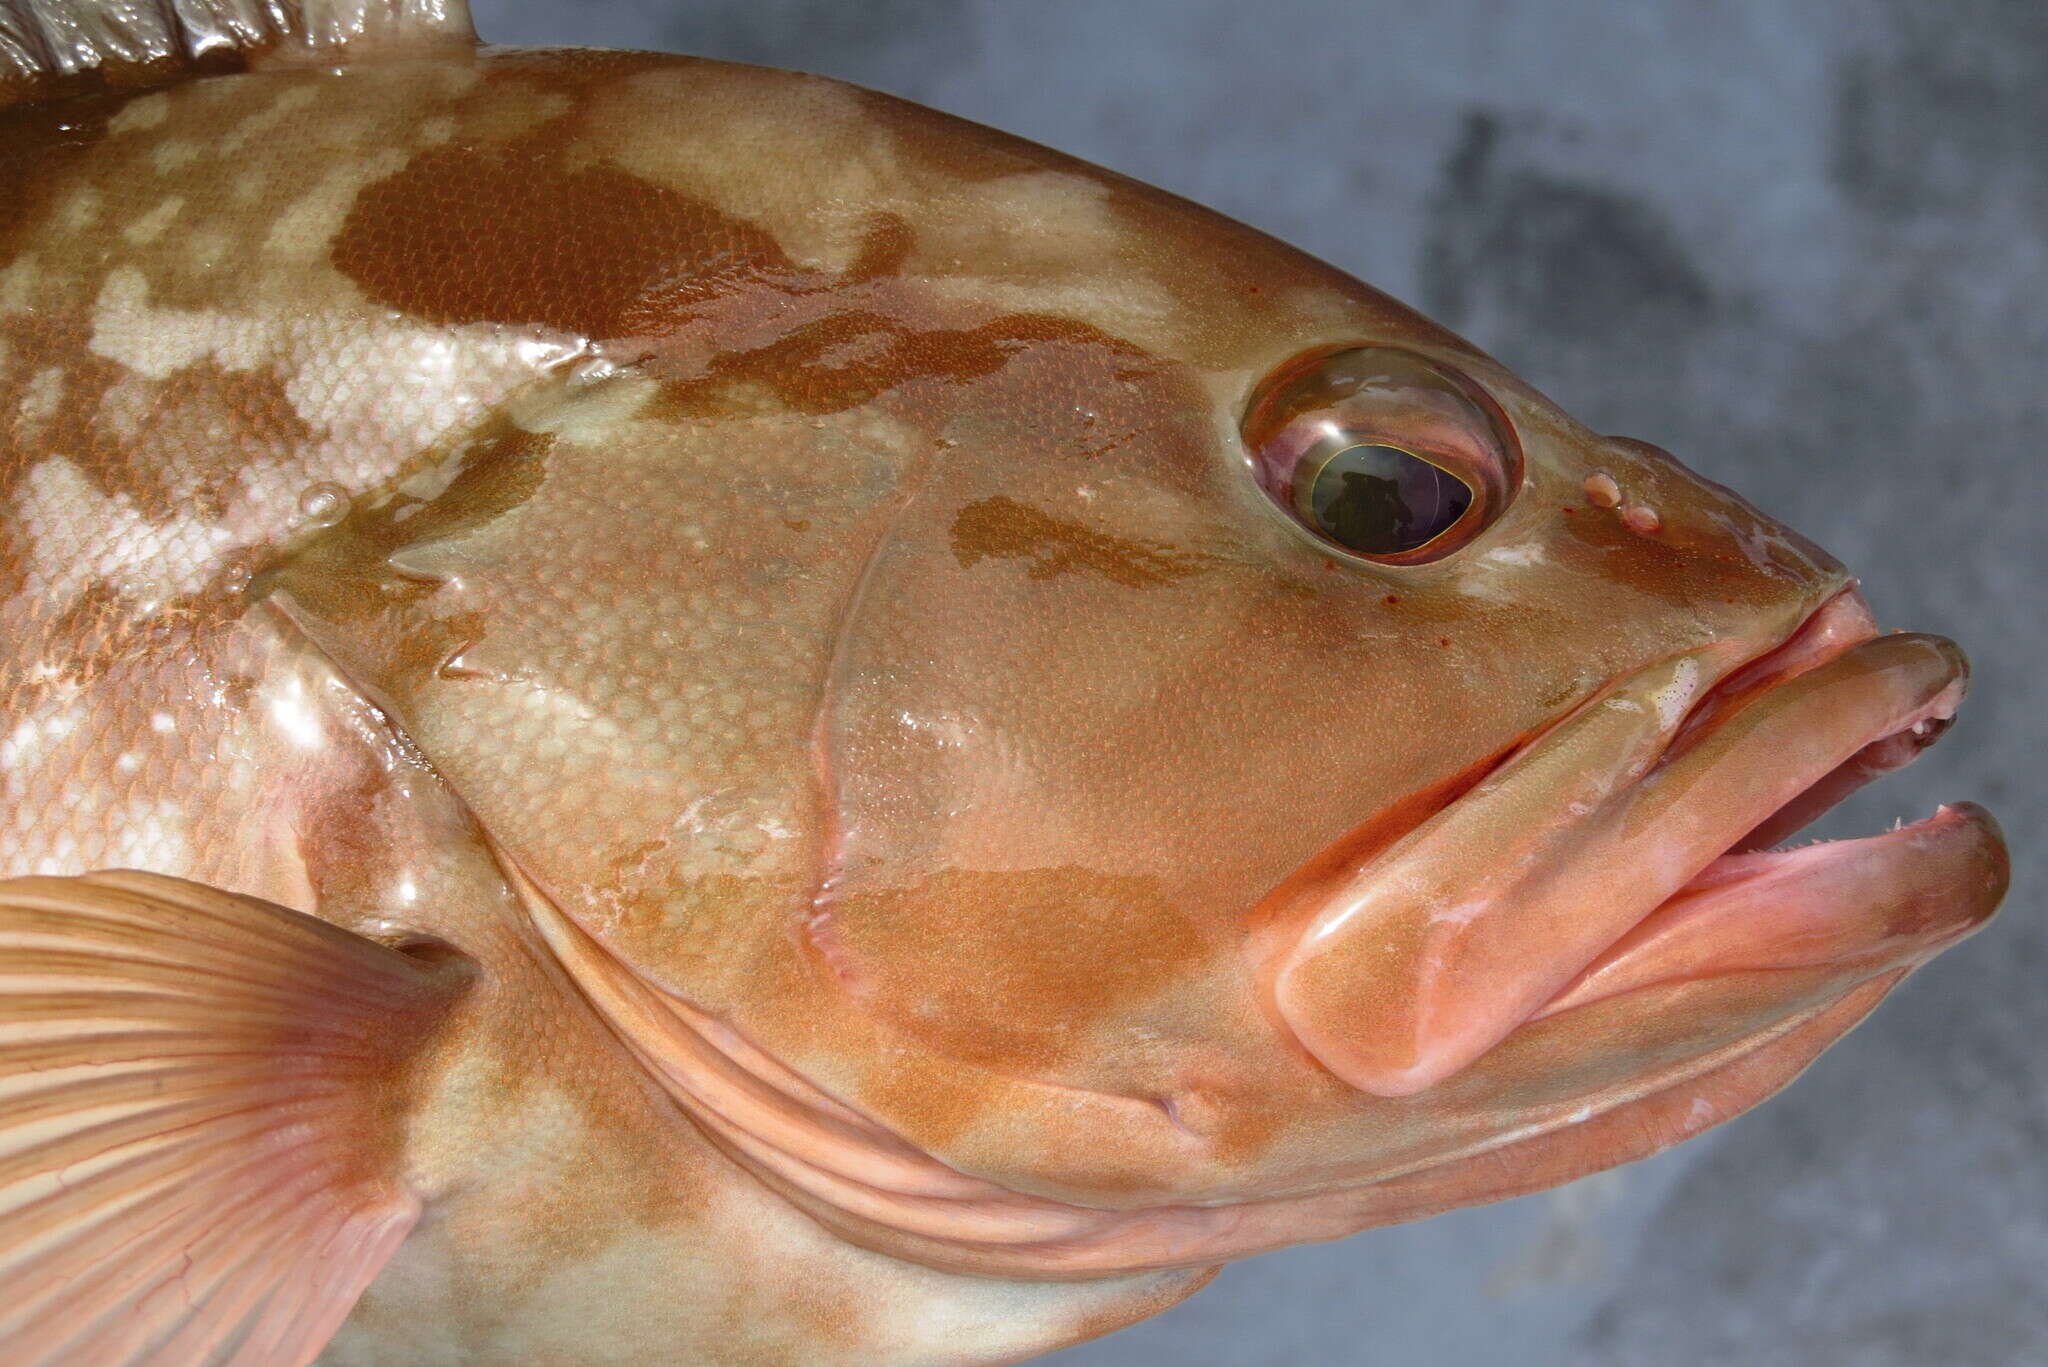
1801, 245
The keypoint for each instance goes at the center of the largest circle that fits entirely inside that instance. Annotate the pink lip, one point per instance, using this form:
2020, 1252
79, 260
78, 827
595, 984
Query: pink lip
1594, 860
1904, 895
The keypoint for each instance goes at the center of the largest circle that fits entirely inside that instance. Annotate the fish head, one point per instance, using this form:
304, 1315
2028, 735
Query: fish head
1076, 737
1303, 730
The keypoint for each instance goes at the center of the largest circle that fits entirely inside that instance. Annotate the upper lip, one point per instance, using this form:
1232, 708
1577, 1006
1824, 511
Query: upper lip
1595, 859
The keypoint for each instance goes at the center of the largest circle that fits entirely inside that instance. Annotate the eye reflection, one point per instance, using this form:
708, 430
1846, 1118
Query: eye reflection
1381, 453
1379, 500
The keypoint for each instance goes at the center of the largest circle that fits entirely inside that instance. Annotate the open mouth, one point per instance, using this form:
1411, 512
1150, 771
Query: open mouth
1628, 846
1761, 906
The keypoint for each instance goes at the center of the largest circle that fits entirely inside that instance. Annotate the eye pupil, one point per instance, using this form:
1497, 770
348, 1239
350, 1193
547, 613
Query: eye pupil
1379, 500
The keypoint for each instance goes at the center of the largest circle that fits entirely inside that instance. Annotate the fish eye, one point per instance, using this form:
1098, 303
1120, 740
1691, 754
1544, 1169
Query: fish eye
1380, 453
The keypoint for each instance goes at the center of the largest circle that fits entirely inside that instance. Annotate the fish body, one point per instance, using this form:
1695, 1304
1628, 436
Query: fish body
794, 731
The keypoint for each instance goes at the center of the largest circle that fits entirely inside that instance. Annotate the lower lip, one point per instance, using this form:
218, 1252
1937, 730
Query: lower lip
1884, 901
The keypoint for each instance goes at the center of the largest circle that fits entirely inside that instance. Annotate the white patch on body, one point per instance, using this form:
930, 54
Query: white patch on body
25, 743
151, 225
591, 416
1036, 218
308, 228
172, 154
79, 537
294, 717
39, 399
101, 830
143, 112
253, 126
159, 342
146, 833
711, 132
1527, 554
1675, 698
77, 212
398, 388
18, 282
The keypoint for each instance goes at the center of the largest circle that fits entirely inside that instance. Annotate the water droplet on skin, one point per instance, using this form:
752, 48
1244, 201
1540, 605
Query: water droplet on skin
1602, 491
237, 574
1641, 519
323, 505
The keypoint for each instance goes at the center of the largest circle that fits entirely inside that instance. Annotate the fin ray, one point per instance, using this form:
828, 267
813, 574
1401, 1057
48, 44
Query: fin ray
200, 1122
154, 1256
123, 1316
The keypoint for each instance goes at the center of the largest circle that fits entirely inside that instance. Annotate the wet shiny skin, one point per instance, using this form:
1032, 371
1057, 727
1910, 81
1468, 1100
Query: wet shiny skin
800, 578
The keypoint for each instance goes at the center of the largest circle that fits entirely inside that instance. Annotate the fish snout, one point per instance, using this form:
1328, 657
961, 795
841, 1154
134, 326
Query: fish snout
1627, 847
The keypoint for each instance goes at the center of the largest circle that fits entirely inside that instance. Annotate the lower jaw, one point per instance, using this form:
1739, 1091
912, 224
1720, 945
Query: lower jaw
1883, 900
1561, 1150
1634, 1129
927, 1213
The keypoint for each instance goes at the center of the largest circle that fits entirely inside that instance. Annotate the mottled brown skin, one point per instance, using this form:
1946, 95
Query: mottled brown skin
807, 534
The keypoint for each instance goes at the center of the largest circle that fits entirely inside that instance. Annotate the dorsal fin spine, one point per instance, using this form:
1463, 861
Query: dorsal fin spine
54, 47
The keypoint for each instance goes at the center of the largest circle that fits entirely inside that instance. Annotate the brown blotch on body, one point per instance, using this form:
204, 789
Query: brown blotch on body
847, 359
463, 235
1684, 562
38, 143
198, 431
883, 250
1011, 969
1001, 528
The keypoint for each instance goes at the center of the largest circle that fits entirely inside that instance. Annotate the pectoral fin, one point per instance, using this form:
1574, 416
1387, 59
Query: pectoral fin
199, 1106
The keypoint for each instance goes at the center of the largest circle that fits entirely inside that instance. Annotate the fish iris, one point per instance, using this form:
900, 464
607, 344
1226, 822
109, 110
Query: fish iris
1379, 500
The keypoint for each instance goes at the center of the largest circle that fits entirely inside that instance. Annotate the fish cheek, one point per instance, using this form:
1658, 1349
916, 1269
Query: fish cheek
1024, 607
1092, 701
1027, 961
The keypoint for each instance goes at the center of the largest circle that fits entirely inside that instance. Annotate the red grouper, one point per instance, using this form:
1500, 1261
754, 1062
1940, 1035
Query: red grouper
663, 714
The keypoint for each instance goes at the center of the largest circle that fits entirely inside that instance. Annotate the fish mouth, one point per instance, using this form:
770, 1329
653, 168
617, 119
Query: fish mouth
1628, 848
